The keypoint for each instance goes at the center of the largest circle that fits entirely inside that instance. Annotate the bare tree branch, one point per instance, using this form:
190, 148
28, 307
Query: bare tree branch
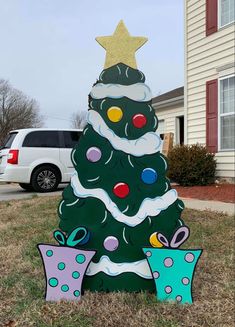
78, 119
16, 110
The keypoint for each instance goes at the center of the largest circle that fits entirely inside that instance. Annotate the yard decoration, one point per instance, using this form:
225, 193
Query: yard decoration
64, 265
119, 190
172, 268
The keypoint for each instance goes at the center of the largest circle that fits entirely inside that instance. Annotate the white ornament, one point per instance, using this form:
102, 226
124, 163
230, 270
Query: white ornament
111, 268
149, 143
149, 207
137, 92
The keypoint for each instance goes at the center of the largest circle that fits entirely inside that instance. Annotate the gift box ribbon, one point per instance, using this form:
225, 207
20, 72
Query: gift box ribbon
79, 235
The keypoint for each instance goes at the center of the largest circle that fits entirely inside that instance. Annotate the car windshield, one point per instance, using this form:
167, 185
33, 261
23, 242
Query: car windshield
8, 141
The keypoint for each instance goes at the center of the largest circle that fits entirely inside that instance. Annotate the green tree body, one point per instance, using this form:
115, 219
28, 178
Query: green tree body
116, 166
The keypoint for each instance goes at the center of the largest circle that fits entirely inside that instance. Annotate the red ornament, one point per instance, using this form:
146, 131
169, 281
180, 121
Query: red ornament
139, 120
121, 190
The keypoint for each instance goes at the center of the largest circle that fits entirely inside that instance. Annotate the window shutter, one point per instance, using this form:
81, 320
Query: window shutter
211, 16
212, 115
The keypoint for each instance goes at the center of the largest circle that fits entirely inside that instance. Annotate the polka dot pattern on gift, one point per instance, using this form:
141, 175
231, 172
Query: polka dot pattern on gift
156, 274
168, 262
172, 271
49, 253
148, 253
80, 258
189, 257
53, 282
76, 293
168, 289
61, 266
75, 274
65, 268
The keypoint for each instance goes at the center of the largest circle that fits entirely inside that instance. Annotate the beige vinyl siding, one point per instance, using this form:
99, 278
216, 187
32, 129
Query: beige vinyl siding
169, 115
203, 56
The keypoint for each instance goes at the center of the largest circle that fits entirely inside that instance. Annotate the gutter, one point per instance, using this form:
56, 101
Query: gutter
166, 103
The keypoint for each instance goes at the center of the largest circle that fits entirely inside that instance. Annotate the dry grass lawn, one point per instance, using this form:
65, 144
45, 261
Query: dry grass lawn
25, 223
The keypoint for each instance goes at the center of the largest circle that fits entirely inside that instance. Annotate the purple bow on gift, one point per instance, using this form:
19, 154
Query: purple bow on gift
179, 237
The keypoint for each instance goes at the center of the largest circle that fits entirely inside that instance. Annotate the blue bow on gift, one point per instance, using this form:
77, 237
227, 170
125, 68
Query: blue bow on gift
79, 235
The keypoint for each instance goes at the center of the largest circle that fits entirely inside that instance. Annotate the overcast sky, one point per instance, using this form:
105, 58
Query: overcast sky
48, 48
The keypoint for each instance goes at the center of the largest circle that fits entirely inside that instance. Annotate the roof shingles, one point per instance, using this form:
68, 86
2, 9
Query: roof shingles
169, 95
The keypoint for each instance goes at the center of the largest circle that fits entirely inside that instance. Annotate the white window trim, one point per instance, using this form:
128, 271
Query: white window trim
162, 121
177, 129
219, 16
223, 115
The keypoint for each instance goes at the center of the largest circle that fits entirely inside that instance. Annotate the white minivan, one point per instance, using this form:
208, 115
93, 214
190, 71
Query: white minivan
38, 158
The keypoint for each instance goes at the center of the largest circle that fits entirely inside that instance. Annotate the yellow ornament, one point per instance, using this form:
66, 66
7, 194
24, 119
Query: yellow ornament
115, 114
154, 241
121, 47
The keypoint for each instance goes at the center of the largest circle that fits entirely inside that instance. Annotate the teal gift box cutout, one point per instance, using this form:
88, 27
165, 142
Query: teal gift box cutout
173, 272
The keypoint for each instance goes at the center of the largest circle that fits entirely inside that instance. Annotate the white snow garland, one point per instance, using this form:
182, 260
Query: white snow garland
111, 268
149, 207
149, 143
137, 92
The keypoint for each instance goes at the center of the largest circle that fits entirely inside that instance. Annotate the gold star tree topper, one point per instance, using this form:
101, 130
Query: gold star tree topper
121, 47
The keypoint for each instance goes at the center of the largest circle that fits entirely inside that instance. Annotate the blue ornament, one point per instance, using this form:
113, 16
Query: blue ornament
149, 176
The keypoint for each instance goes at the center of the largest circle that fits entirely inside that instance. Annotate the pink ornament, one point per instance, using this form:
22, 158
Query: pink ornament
93, 154
111, 243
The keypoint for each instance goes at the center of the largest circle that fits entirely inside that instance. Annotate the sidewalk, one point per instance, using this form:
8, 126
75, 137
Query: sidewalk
228, 208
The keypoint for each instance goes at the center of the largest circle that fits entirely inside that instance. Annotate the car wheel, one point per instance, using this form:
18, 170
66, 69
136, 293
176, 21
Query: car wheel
45, 179
27, 187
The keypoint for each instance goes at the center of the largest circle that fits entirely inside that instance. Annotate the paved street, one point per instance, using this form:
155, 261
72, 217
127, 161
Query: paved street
15, 192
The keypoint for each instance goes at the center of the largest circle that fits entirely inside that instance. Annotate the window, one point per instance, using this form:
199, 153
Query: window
71, 138
226, 12
9, 140
227, 113
42, 139
160, 129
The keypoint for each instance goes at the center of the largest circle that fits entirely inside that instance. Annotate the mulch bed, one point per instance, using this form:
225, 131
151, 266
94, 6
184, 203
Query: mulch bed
216, 192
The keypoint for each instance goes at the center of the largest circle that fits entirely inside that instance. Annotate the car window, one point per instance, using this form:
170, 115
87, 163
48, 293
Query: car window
71, 138
42, 139
8, 141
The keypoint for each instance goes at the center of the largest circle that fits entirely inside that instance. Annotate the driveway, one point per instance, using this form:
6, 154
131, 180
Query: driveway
15, 192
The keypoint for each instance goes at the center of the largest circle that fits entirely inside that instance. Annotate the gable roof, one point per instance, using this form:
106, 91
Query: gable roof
176, 93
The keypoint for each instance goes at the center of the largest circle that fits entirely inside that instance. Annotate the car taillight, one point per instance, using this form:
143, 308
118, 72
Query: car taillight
13, 157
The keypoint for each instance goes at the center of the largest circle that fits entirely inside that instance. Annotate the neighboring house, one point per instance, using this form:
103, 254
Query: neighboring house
204, 110
210, 79
169, 108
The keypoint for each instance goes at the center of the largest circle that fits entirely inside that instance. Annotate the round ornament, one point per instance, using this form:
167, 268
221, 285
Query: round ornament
153, 240
121, 190
93, 154
111, 243
139, 120
149, 176
114, 114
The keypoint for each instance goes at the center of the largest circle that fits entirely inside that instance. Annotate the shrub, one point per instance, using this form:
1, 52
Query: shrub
191, 165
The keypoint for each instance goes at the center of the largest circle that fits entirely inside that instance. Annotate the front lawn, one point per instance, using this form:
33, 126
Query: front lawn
25, 223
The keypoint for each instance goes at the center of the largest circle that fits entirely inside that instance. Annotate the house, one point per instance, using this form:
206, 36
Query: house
209, 90
210, 79
169, 108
